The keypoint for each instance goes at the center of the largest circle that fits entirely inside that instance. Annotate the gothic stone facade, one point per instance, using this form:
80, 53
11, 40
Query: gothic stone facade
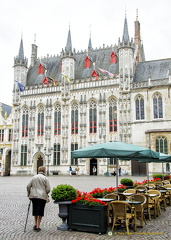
69, 102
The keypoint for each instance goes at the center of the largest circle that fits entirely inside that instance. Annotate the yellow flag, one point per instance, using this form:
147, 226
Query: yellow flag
67, 78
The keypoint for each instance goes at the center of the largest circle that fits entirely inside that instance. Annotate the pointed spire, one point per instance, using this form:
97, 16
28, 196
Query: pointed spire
90, 43
21, 50
20, 59
68, 48
125, 31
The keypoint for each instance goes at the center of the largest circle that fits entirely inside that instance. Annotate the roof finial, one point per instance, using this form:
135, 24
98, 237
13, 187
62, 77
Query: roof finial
34, 38
136, 14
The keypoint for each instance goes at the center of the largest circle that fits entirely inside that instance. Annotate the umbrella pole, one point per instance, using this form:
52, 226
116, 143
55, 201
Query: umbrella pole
147, 173
116, 175
162, 171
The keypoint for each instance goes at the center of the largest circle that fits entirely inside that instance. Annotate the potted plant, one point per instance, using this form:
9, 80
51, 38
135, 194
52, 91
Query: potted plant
87, 213
127, 182
62, 195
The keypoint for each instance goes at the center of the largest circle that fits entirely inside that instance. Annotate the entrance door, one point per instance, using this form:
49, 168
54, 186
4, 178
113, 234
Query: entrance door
39, 162
7, 164
93, 162
138, 168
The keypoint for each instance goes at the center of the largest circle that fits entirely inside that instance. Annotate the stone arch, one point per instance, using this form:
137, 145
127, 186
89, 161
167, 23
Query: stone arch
38, 158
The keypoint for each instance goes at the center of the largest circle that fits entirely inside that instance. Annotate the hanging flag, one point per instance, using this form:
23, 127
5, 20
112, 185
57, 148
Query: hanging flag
52, 80
67, 78
104, 71
20, 85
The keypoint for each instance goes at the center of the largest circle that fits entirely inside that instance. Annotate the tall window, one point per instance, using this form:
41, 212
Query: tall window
161, 145
23, 155
25, 123
56, 156
10, 135
158, 106
112, 161
40, 124
74, 119
1, 135
93, 117
112, 115
57, 120
74, 147
139, 106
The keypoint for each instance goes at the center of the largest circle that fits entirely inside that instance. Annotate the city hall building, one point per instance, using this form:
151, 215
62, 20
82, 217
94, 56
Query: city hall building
76, 99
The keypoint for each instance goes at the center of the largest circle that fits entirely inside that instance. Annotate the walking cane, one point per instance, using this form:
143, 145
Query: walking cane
27, 215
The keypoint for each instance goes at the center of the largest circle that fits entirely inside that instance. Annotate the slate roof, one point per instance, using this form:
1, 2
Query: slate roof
6, 108
156, 70
100, 56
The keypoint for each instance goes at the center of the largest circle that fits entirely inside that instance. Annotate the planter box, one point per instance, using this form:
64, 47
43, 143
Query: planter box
88, 218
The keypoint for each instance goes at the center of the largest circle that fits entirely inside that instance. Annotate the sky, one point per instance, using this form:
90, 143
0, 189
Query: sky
50, 20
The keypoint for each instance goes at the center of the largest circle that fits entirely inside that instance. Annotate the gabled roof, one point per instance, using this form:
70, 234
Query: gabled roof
156, 70
5, 109
100, 56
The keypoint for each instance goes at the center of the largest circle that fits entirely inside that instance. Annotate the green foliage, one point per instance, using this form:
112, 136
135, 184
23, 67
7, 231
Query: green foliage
63, 192
126, 182
158, 176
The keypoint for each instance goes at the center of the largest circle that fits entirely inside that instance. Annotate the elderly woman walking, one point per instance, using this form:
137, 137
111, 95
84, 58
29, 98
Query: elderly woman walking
38, 189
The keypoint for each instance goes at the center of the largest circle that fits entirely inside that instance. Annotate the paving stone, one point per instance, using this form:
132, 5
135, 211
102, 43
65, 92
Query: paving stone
14, 206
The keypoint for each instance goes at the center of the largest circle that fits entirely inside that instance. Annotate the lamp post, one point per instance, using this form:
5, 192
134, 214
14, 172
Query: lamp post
48, 155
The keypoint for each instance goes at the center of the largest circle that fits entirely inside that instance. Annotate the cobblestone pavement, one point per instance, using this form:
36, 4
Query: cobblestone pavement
14, 206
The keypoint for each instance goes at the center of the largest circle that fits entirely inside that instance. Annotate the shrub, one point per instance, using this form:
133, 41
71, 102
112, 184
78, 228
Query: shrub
158, 176
63, 192
126, 182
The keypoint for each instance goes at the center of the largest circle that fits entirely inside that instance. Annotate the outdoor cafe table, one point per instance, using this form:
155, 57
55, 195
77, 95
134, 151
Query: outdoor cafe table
128, 194
133, 202
106, 199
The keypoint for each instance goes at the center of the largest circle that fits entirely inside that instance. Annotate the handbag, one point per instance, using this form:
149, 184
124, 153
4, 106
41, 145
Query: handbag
47, 199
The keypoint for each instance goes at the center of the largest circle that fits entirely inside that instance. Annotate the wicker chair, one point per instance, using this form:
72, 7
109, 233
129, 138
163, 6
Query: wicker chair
139, 208
166, 182
157, 201
131, 190
168, 193
122, 216
122, 197
141, 187
150, 205
150, 186
158, 184
113, 196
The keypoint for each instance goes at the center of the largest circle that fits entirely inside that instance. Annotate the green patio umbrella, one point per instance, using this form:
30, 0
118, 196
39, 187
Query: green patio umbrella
119, 150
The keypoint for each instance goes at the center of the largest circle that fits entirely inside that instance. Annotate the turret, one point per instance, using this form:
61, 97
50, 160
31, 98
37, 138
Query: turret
68, 59
33, 52
126, 50
20, 66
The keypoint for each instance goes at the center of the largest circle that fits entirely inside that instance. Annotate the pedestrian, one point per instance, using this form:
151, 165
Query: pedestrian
37, 190
0, 169
77, 171
114, 172
94, 170
119, 170
70, 171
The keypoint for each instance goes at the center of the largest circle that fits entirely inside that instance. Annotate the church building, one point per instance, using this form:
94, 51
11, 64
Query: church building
79, 98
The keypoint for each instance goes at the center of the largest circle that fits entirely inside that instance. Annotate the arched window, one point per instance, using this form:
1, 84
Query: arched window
157, 106
23, 155
40, 124
57, 120
74, 119
93, 117
25, 123
139, 107
56, 154
161, 145
112, 115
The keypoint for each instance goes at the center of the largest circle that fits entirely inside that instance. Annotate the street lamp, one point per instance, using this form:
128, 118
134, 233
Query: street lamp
48, 155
